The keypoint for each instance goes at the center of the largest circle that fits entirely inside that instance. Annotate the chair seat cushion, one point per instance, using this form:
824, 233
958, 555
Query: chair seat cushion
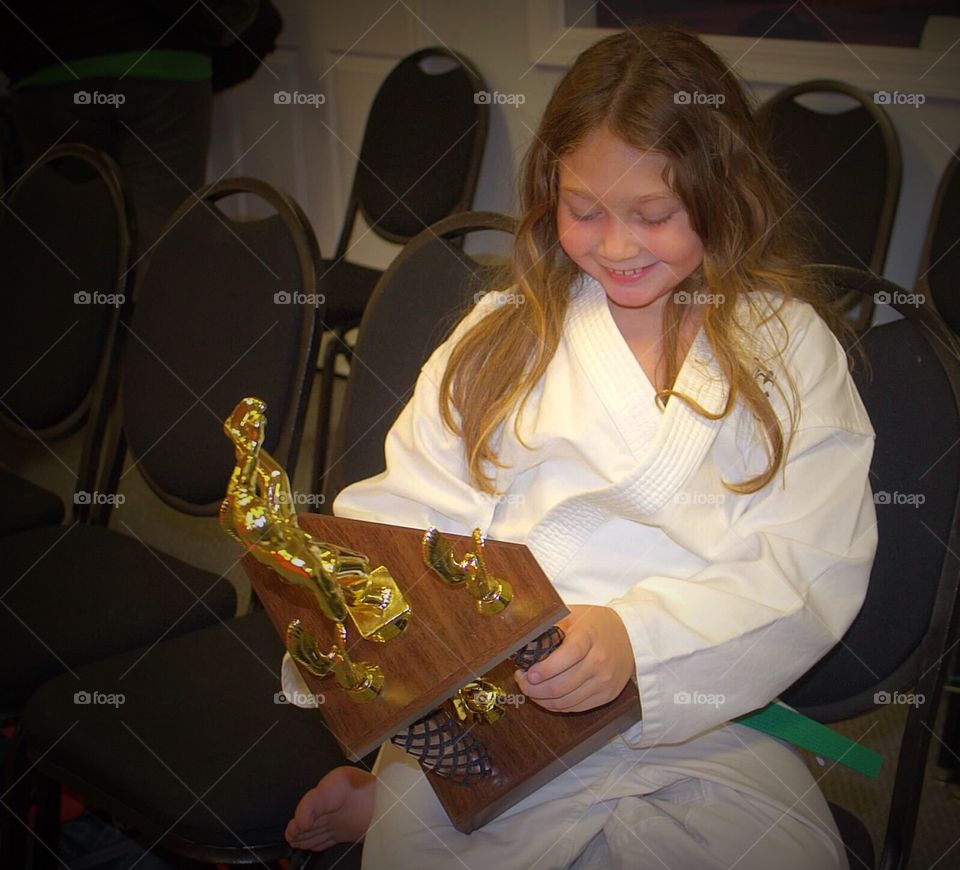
76, 594
347, 287
24, 505
199, 746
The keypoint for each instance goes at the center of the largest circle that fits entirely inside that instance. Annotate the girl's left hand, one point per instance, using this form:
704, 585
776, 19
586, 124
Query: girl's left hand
588, 669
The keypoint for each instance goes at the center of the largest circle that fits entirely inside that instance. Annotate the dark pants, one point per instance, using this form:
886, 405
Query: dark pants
157, 131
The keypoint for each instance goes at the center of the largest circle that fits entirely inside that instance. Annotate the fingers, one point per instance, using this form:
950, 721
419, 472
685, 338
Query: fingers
563, 658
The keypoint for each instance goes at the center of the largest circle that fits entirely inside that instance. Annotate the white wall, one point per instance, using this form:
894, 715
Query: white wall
343, 51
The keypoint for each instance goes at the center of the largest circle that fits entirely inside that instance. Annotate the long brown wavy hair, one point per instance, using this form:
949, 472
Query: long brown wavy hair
634, 83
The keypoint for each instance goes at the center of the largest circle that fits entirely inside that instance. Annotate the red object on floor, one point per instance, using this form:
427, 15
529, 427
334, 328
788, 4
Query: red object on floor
71, 807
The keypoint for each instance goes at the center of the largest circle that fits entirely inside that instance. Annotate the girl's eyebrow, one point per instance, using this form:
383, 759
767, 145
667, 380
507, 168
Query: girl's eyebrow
586, 195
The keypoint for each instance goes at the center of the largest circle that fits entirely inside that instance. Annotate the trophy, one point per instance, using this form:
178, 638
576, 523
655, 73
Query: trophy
421, 644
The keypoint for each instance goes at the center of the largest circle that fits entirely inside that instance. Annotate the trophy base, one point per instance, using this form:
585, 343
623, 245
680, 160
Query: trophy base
530, 746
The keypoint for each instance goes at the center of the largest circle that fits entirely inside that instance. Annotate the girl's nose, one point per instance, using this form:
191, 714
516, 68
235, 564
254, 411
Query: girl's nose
617, 242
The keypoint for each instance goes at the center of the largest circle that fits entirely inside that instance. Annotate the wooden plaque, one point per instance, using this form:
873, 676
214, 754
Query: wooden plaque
447, 644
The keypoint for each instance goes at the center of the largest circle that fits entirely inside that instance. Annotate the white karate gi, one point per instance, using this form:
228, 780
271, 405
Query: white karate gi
727, 598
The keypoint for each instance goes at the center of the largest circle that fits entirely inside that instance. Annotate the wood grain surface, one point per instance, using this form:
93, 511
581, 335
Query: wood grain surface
447, 644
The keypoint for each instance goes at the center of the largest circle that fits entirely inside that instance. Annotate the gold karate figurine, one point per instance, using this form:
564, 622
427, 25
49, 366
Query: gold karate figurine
258, 512
493, 594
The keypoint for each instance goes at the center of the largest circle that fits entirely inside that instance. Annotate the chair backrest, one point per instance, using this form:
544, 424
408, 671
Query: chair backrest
443, 279
422, 147
844, 169
939, 274
224, 309
65, 242
896, 646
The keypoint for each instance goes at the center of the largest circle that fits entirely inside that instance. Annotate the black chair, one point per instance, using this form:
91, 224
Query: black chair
207, 330
938, 277
66, 290
897, 642
205, 763
444, 280
844, 169
419, 162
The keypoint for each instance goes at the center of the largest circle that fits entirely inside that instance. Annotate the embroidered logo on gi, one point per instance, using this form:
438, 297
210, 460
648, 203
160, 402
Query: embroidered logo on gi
763, 376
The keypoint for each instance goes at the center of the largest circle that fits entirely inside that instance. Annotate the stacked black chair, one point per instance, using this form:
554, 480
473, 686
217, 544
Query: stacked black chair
844, 169
206, 763
897, 643
938, 277
419, 162
224, 309
66, 291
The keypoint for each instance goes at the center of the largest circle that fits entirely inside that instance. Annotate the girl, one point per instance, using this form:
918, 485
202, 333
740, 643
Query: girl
684, 452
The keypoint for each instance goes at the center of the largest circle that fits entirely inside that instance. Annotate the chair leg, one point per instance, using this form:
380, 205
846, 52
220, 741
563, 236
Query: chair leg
47, 825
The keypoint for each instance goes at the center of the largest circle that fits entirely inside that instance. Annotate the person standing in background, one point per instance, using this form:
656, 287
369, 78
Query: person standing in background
132, 78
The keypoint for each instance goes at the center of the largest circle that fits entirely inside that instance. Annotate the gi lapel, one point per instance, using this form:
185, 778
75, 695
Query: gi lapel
668, 446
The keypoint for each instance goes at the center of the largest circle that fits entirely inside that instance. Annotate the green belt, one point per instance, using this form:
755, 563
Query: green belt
778, 720
184, 66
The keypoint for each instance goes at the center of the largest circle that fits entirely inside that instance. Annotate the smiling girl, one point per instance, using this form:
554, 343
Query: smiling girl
684, 452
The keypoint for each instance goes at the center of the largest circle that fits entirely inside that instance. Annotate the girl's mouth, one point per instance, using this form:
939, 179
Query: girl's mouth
629, 276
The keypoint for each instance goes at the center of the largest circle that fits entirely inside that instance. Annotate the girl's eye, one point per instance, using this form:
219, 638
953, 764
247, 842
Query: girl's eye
658, 221
583, 217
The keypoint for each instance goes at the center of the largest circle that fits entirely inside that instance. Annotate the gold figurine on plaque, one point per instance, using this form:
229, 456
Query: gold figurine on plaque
444, 684
258, 511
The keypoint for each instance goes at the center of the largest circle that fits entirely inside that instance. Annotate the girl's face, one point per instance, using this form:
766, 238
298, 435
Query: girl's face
620, 223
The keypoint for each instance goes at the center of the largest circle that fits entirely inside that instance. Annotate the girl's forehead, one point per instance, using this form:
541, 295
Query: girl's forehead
603, 165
